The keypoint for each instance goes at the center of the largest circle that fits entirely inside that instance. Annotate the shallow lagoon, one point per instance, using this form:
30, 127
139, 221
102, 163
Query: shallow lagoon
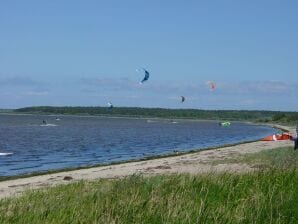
73, 141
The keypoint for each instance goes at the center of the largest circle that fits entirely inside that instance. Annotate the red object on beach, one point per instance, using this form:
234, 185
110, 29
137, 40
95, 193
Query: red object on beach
286, 136
278, 137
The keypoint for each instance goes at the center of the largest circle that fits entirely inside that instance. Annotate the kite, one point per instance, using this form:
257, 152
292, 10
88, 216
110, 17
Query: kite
146, 77
110, 105
211, 85
182, 99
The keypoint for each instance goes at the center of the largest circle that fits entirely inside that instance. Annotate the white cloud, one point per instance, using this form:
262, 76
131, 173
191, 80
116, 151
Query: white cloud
248, 102
19, 81
126, 84
35, 93
258, 87
121, 83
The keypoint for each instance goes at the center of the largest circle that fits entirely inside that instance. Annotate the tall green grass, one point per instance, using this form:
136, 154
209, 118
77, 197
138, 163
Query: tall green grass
279, 158
269, 196
284, 157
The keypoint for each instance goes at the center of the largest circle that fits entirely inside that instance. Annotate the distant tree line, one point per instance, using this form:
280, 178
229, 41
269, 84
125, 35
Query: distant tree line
245, 115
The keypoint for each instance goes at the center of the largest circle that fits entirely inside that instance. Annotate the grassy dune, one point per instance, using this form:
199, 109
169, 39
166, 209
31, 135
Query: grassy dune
266, 196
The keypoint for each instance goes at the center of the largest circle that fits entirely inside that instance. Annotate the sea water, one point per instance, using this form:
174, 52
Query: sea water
28, 145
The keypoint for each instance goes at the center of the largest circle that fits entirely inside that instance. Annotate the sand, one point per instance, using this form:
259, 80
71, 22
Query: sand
193, 163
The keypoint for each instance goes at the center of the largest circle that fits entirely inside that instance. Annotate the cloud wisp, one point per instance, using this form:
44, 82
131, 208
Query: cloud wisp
259, 87
17, 81
244, 87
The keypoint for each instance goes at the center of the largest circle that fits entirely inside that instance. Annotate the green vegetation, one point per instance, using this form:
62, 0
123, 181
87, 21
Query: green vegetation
266, 196
290, 118
262, 197
280, 158
260, 116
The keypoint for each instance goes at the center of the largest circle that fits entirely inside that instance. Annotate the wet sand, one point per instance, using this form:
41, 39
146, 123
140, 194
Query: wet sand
193, 163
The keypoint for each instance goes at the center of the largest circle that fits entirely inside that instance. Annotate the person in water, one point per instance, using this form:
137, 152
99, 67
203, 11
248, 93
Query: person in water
44, 122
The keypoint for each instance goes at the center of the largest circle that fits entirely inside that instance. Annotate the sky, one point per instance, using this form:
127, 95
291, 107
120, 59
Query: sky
87, 53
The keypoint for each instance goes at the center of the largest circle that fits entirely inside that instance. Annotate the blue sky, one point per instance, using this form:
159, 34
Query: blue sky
85, 53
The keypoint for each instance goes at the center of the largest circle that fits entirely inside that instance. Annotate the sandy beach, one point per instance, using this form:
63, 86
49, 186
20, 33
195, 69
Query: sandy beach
193, 163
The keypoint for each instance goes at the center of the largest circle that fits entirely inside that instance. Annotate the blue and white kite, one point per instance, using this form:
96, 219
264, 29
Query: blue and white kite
146, 77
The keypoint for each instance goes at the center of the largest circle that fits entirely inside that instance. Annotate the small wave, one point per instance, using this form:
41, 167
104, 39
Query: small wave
26, 167
6, 153
31, 124
48, 125
151, 121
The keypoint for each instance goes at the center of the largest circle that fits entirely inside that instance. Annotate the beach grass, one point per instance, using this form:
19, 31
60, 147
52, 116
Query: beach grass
267, 196
283, 157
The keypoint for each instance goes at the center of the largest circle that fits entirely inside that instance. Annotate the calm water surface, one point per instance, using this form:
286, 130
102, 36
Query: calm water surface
76, 141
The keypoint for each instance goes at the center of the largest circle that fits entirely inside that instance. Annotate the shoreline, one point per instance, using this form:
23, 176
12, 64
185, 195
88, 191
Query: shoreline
162, 156
152, 157
195, 162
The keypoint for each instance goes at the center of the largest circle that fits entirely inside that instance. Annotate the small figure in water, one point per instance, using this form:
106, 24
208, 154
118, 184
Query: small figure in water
44, 122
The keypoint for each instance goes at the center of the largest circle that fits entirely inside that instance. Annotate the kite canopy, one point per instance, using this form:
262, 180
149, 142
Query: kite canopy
278, 137
211, 85
110, 105
182, 99
146, 77
225, 124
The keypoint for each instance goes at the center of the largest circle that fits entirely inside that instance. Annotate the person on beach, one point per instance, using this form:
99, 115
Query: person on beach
296, 139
